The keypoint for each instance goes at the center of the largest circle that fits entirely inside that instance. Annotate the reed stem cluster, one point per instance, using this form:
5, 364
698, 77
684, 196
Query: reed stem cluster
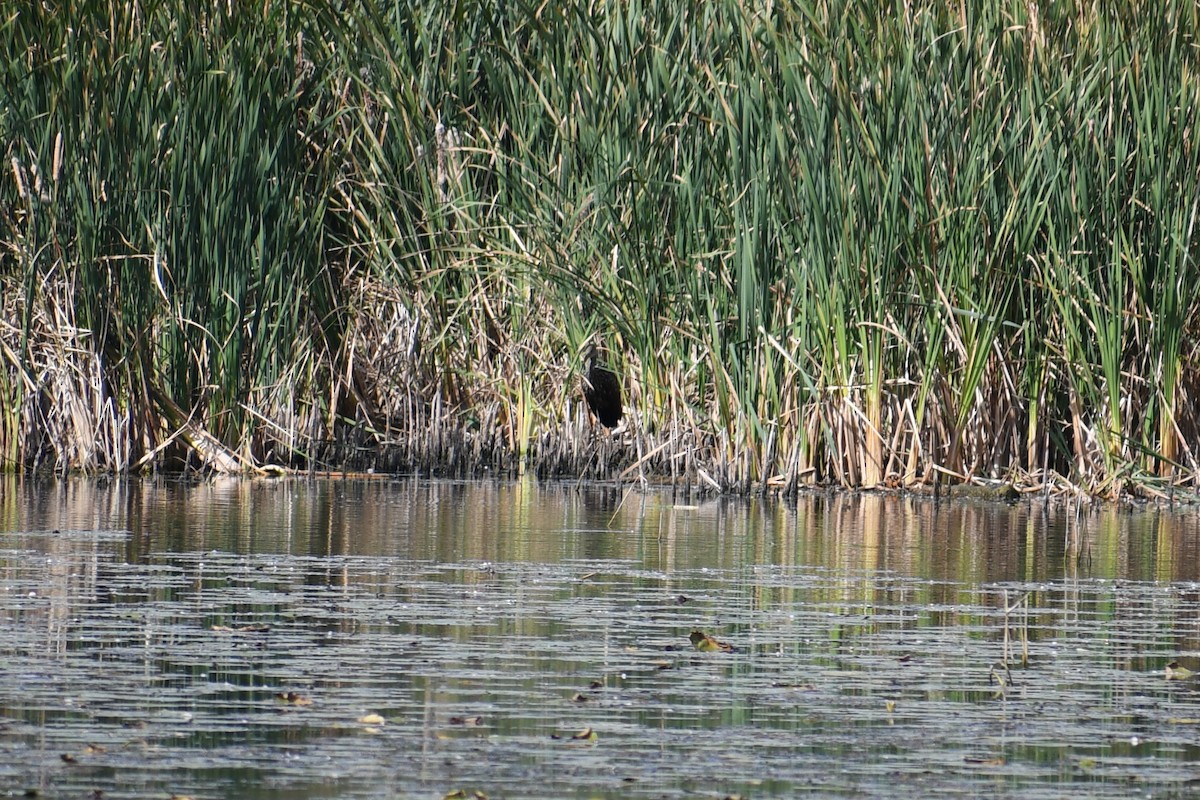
823, 242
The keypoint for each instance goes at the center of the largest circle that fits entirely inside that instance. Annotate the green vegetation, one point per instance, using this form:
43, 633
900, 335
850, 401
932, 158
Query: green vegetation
824, 244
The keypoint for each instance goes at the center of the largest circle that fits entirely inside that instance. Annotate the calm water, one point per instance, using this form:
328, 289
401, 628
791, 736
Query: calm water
382, 639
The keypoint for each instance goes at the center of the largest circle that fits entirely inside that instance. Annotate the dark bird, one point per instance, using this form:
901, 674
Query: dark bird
602, 390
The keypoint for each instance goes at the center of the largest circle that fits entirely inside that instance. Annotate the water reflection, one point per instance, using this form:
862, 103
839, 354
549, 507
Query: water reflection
971, 542
879, 641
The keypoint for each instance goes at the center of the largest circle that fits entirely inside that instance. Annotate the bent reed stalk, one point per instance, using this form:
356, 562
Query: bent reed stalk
822, 244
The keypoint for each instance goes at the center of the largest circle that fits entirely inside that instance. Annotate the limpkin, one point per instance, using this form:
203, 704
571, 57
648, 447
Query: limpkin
602, 390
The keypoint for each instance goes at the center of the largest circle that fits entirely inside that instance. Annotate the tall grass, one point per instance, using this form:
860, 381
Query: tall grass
824, 243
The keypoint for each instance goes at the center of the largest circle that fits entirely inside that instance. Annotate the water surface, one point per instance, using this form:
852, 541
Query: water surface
383, 638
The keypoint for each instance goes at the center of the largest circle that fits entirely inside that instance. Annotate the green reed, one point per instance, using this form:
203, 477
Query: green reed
822, 243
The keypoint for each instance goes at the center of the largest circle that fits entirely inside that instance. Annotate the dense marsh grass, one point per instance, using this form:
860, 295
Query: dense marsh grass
826, 244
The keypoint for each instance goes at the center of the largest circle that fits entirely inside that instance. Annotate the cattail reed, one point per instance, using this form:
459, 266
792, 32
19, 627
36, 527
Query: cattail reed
829, 245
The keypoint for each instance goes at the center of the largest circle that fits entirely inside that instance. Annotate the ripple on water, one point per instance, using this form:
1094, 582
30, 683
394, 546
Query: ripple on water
211, 672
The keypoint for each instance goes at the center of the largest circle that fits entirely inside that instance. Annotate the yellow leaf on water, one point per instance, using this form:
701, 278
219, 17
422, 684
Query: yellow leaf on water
705, 643
1178, 672
585, 735
372, 719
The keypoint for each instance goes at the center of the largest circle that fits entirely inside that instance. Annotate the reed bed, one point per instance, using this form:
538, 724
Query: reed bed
824, 243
